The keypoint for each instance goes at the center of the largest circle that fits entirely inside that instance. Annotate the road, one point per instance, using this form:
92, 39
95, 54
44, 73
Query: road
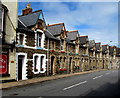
103, 83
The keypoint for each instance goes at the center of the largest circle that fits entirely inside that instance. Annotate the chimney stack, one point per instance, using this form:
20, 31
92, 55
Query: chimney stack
27, 10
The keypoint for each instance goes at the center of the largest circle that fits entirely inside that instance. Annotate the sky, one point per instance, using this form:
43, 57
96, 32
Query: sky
98, 20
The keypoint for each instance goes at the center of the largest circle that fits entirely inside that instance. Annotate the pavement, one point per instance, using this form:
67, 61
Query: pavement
20, 83
96, 83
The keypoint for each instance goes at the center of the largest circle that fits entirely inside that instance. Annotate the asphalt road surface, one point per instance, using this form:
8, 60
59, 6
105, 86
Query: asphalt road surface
103, 83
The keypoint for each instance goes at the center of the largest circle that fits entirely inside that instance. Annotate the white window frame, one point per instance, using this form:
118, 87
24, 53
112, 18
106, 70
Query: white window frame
42, 38
18, 36
38, 66
35, 62
39, 39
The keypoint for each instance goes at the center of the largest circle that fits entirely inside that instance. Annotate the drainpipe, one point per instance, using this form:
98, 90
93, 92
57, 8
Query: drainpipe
48, 58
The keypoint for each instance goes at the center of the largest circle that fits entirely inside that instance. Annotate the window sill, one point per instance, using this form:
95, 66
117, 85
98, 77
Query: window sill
40, 48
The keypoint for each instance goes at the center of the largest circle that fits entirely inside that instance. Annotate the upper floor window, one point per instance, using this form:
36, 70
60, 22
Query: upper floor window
39, 37
62, 45
21, 39
53, 45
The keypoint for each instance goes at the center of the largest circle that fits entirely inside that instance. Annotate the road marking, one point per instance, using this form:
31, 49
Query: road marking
74, 85
107, 73
97, 77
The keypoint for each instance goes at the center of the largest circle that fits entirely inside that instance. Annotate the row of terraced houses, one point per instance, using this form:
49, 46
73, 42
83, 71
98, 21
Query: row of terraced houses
31, 48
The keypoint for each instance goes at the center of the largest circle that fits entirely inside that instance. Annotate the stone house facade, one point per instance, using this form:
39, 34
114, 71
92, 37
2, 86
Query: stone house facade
105, 56
58, 50
84, 52
30, 44
43, 50
92, 59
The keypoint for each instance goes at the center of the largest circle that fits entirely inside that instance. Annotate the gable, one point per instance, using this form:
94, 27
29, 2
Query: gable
30, 19
72, 35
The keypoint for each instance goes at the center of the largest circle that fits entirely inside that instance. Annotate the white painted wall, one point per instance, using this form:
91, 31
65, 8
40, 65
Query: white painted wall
11, 20
11, 35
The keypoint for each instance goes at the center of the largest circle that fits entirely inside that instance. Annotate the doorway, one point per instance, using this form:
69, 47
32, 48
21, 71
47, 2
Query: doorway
20, 66
103, 64
52, 63
70, 64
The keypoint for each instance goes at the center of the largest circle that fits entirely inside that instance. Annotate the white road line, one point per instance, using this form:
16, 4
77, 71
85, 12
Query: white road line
97, 77
107, 73
74, 85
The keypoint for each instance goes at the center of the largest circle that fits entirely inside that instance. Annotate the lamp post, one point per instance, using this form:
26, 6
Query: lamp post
110, 43
110, 65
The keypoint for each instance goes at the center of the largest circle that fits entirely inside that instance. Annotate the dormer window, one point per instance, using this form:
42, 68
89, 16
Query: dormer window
39, 37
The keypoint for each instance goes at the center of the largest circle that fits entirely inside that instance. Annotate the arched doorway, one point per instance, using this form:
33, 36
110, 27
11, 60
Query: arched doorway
103, 64
91, 67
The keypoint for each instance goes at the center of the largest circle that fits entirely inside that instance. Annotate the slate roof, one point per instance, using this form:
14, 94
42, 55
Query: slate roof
20, 25
83, 39
118, 52
30, 19
71, 35
24, 30
50, 36
91, 44
69, 42
97, 46
55, 29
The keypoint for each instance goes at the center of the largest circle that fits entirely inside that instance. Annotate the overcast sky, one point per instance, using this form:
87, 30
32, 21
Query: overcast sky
98, 20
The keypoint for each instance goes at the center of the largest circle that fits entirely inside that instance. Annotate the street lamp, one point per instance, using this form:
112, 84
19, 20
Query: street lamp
110, 43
